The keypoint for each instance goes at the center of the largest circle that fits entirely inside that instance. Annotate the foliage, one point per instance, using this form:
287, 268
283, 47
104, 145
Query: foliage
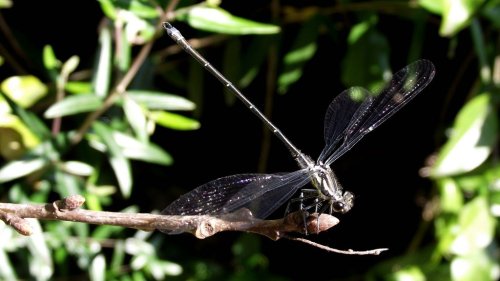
68, 129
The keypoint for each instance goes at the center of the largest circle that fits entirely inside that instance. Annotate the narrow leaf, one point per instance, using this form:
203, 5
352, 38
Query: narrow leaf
174, 121
119, 163
159, 100
20, 168
102, 74
71, 105
136, 118
217, 20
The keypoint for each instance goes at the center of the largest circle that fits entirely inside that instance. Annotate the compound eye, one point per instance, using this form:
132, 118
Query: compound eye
338, 207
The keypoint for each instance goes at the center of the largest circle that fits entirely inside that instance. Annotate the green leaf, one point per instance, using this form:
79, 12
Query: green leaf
41, 257
451, 196
159, 100
362, 68
77, 168
119, 163
31, 120
78, 87
433, 6
140, 8
136, 118
67, 184
24, 90
102, 74
134, 149
457, 15
5, 4
20, 168
9, 121
174, 121
476, 228
71, 105
472, 138
476, 266
217, 20
302, 50
49, 58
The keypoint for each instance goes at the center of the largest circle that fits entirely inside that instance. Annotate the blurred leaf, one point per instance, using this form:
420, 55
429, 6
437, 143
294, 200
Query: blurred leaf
433, 6
362, 68
71, 105
302, 50
134, 149
411, 273
174, 121
6, 269
5, 4
119, 163
476, 266
141, 8
476, 228
123, 58
159, 100
66, 184
40, 264
70, 65
12, 122
77, 168
28, 118
451, 196
20, 168
97, 269
136, 118
24, 90
456, 15
254, 58
491, 11
473, 135
78, 87
217, 20
49, 58
102, 73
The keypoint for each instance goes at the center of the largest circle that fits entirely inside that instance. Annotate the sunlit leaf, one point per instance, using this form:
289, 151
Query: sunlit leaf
119, 163
457, 15
159, 100
217, 20
174, 121
476, 266
40, 264
451, 196
20, 168
5, 4
6, 268
433, 6
77, 168
134, 149
71, 105
24, 90
476, 228
136, 118
97, 269
302, 50
102, 74
472, 138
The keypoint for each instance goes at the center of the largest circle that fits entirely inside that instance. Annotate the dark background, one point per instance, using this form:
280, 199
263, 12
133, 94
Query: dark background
382, 170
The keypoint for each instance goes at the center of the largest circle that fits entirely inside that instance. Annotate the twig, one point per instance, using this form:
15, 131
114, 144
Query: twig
346, 252
201, 226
